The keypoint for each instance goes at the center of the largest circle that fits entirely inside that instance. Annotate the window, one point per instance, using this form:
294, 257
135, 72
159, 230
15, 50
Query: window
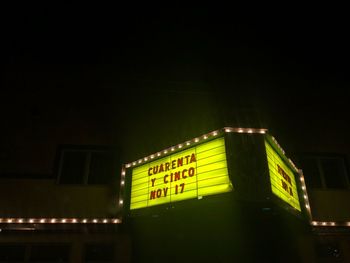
325, 171
99, 252
86, 166
73, 167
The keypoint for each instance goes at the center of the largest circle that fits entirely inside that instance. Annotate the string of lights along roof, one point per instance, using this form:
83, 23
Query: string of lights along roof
60, 221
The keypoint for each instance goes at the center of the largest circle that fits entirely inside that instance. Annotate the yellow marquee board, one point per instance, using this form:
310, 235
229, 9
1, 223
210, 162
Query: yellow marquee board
282, 178
192, 173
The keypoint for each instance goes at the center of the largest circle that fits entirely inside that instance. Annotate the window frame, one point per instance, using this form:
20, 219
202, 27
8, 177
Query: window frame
88, 150
321, 173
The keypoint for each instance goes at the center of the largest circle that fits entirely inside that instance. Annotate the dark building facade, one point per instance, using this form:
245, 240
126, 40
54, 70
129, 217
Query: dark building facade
61, 163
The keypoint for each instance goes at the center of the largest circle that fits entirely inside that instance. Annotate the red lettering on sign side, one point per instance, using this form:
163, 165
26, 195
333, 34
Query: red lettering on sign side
165, 191
177, 176
155, 169
193, 158
165, 179
183, 174
182, 187
191, 172
153, 180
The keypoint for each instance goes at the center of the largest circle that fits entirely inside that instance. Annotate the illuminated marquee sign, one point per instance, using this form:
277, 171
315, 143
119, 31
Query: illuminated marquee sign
191, 173
282, 178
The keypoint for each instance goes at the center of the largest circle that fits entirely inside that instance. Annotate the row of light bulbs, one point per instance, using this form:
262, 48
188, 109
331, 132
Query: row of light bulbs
305, 195
181, 145
324, 223
278, 145
245, 130
196, 140
59, 220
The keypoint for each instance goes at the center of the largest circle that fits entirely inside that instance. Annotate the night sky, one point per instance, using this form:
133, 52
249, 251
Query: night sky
192, 67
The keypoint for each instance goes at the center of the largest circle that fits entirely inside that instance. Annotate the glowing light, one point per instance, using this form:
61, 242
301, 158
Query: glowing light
152, 156
134, 163
324, 223
145, 159
240, 130
307, 206
58, 220
314, 223
262, 132
165, 151
215, 133
277, 169
180, 146
158, 154
188, 143
305, 196
196, 140
333, 223
128, 165
210, 178
303, 187
250, 131
123, 173
140, 161
205, 137
121, 202
172, 149
122, 182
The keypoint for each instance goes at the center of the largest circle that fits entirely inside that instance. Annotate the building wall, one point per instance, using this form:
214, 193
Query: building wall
45, 198
64, 246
